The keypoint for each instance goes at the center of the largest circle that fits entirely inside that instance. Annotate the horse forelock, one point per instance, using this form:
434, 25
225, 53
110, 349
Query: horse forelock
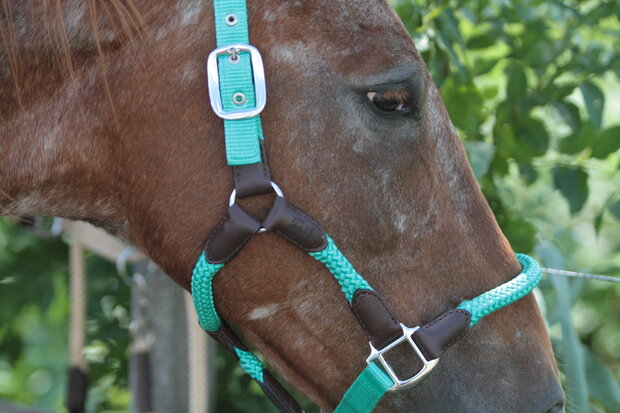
53, 32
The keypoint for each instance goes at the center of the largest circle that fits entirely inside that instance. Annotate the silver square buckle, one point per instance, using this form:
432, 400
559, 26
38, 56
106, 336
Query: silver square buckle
258, 72
428, 365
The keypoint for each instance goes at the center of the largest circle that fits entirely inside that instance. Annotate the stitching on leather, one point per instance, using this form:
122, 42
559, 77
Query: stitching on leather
234, 251
466, 315
276, 394
238, 248
212, 234
360, 319
462, 313
263, 158
372, 294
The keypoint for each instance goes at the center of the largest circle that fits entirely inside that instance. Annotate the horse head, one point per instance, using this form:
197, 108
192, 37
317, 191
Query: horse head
106, 118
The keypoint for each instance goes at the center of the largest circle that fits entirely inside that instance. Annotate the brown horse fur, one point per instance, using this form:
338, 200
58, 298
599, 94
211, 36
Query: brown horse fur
105, 118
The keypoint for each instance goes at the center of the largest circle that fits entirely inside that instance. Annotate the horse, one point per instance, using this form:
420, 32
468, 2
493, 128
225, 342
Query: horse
105, 118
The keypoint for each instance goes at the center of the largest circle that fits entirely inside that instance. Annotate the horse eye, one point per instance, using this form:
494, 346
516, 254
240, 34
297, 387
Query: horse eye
393, 101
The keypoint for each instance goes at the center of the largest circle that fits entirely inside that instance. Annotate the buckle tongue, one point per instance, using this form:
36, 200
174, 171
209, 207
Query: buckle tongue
258, 74
428, 365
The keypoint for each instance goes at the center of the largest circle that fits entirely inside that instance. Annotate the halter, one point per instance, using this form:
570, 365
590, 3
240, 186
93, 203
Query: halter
237, 91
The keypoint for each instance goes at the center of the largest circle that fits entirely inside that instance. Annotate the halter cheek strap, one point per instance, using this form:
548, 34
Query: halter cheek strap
238, 95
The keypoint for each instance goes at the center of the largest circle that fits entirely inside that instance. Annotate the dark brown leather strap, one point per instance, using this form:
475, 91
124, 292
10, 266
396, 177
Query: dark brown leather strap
227, 338
278, 395
230, 235
295, 226
437, 336
253, 179
375, 318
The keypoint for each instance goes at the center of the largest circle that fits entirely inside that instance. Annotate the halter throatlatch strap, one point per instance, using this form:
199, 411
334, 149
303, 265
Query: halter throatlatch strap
237, 92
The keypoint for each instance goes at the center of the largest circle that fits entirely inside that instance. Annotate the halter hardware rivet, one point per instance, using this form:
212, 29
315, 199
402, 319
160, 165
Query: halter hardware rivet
233, 56
231, 19
238, 98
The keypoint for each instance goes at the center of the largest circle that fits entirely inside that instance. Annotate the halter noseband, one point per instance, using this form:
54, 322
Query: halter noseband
238, 94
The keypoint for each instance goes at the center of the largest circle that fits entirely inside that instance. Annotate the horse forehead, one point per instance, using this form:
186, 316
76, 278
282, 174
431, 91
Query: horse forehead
352, 38
337, 20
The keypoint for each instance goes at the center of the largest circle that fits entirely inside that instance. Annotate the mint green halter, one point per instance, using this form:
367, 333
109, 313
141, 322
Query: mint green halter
238, 94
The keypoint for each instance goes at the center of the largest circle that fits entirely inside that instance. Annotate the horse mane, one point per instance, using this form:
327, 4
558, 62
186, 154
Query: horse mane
121, 20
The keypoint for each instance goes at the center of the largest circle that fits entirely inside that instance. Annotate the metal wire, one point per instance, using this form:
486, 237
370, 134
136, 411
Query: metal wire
576, 274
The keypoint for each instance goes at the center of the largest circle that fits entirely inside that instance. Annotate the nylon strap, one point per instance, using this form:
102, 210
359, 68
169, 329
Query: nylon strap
243, 135
366, 391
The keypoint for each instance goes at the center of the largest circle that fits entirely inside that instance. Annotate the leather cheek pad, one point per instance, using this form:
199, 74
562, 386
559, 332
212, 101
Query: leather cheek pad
230, 235
295, 226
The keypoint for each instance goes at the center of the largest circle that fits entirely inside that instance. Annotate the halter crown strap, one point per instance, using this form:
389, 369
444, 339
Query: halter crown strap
236, 82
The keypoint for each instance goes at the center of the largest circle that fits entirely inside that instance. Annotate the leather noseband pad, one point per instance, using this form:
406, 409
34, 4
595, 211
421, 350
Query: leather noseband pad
437, 336
295, 226
278, 395
230, 235
375, 318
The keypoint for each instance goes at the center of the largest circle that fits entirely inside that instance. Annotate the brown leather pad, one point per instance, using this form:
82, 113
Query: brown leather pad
251, 180
230, 235
437, 336
295, 226
375, 318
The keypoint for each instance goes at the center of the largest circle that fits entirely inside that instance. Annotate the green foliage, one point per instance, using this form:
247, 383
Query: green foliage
33, 329
532, 87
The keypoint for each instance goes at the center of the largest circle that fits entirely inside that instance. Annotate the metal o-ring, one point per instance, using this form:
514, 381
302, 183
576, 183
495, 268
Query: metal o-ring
231, 19
238, 98
233, 195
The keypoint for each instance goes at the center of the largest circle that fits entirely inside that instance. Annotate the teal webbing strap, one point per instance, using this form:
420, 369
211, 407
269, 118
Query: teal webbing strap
366, 391
242, 136
505, 294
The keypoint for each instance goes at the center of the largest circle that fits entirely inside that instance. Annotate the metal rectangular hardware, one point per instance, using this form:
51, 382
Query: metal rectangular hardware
428, 365
258, 73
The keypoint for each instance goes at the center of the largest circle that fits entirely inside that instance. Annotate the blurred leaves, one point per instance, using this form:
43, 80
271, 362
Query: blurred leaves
595, 102
573, 183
